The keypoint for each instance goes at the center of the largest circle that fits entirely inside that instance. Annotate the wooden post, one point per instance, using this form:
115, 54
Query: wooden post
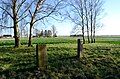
41, 57
79, 48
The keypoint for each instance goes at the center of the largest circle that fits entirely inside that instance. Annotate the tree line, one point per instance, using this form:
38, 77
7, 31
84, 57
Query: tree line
46, 33
22, 13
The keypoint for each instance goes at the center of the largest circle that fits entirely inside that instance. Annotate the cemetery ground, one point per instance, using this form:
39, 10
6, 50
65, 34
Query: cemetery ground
100, 60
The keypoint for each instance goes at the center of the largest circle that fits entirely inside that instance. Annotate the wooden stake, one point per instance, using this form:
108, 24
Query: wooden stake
41, 56
79, 48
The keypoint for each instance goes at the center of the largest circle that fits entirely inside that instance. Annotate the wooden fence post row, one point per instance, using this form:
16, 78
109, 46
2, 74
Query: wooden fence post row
41, 56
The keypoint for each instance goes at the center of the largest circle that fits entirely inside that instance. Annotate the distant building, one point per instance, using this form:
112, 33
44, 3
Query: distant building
7, 36
80, 35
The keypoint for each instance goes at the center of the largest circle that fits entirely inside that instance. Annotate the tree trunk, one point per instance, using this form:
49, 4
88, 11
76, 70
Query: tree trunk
94, 34
87, 21
83, 35
88, 34
87, 30
94, 25
91, 33
82, 16
91, 23
16, 34
30, 35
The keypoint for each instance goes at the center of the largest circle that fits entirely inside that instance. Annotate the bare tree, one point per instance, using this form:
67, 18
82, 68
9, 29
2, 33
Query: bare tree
0, 32
16, 11
23, 26
85, 13
49, 33
76, 15
45, 33
95, 11
91, 18
54, 30
36, 32
41, 33
82, 19
40, 10
86, 7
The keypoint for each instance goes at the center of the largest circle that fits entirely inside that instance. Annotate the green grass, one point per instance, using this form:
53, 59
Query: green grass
24, 41
108, 39
99, 61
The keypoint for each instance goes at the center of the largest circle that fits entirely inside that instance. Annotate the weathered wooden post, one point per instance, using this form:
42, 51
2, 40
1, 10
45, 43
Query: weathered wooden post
41, 56
79, 48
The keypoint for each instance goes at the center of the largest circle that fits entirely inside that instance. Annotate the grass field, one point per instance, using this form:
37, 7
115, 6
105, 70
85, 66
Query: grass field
99, 61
